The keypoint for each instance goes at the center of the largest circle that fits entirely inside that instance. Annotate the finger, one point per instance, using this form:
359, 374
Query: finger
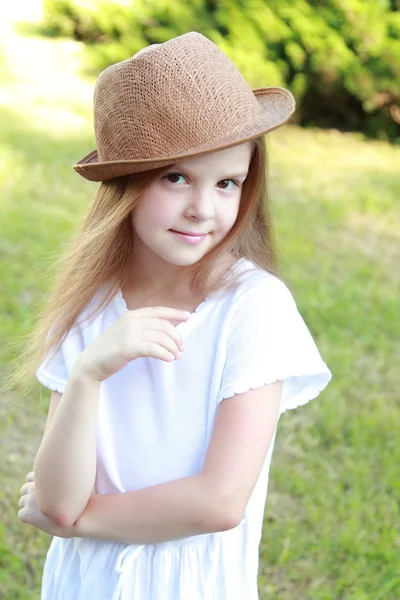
162, 339
156, 351
21, 515
21, 502
173, 333
27, 486
24, 488
166, 327
162, 312
30, 476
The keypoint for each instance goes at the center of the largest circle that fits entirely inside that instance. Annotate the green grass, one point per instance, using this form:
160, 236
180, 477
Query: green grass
331, 527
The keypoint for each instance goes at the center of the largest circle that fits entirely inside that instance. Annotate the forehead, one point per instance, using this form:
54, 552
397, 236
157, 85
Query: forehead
236, 157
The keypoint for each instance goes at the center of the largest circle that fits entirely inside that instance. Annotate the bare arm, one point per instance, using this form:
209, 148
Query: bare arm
213, 500
159, 513
65, 464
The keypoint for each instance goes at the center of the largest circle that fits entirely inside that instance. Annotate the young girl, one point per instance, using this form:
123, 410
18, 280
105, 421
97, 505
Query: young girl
172, 345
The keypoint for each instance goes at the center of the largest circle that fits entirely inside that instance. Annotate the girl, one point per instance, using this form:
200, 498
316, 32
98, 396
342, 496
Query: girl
172, 345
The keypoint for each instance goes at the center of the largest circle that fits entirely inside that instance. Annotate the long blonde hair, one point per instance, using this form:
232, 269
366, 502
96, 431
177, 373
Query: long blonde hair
100, 254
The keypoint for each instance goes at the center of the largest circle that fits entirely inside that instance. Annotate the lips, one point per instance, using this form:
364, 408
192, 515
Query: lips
188, 232
191, 238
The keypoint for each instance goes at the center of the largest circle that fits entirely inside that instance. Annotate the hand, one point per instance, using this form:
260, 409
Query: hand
142, 332
31, 514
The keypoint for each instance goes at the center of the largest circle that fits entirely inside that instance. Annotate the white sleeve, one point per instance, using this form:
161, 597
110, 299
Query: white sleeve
268, 340
54, 371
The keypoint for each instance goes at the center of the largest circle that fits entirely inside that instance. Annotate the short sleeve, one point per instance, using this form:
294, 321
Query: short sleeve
55, 370
268, 340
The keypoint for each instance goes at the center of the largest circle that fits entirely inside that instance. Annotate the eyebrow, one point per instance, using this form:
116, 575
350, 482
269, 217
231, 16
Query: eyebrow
178, 167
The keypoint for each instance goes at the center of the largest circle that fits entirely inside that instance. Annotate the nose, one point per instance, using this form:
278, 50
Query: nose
200, 204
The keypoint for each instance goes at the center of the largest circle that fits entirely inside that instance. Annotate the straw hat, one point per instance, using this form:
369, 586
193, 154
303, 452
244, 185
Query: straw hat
174, 100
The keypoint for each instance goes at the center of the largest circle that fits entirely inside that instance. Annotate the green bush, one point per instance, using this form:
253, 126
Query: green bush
340, 59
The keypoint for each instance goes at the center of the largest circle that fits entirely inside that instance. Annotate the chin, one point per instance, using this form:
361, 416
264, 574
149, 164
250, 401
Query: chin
183, 261
184, 257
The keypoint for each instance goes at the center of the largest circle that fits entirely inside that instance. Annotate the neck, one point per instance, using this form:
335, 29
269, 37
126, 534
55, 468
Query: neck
150, 275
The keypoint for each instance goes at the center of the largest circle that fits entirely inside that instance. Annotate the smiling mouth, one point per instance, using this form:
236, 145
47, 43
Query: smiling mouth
189, 233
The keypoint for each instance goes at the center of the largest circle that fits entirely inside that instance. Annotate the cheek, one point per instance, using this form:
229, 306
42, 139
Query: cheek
227, 216
152, 212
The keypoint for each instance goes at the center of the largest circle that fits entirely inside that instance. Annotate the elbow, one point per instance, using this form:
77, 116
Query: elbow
61, 513
228, 519
60, 517
45, 502
225, 523
222, 514
55, 513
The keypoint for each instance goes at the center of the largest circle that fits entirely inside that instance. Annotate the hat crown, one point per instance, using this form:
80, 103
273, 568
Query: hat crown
169, 98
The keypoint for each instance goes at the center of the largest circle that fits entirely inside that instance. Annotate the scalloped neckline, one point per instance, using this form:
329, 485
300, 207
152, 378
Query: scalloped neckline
122, 307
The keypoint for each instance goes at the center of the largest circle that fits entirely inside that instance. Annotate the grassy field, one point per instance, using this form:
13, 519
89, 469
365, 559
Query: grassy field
331, 528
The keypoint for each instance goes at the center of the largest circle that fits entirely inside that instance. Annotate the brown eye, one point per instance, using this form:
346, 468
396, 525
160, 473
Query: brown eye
173, 175
227, 181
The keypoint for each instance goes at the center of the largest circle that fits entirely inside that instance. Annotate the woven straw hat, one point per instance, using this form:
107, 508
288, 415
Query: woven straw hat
174, 100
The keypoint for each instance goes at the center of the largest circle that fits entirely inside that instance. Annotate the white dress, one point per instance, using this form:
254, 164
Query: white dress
155, 421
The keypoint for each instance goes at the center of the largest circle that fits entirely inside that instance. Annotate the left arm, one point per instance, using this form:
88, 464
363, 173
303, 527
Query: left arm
213, 500
171, 510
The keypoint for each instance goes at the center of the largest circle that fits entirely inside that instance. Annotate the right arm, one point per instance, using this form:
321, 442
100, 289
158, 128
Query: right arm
65, 464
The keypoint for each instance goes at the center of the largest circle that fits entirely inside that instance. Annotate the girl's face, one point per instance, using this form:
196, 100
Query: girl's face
185, 212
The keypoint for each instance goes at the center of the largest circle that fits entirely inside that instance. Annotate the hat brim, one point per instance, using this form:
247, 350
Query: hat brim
277, 105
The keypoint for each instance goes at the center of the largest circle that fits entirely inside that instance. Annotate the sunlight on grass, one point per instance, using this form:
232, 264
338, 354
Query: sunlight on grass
46, 90
46, 95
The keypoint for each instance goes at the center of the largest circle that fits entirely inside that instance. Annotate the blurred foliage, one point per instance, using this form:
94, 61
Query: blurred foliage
340, 58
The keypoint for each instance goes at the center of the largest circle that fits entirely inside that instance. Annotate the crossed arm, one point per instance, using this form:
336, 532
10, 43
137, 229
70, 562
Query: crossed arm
213, 500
